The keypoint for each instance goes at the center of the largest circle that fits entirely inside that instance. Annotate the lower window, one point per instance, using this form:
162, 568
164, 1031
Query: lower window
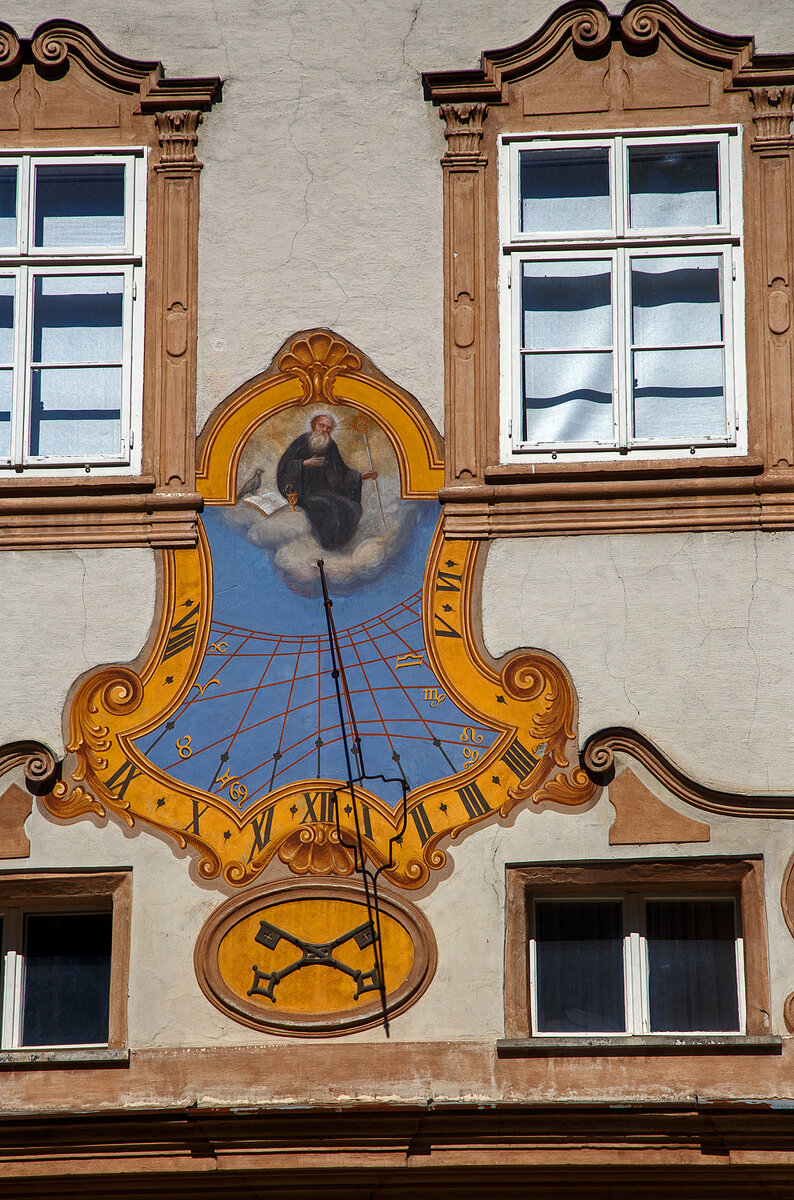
64, 959
636, 949
637, 964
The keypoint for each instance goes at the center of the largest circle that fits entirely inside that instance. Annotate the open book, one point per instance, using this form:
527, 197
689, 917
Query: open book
266, 502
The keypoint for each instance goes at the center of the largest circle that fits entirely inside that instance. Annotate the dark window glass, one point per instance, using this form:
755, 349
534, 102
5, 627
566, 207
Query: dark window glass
579, 963
67, 979
692, 965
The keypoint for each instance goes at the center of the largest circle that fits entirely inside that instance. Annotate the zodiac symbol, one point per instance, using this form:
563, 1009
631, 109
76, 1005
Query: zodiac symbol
410, 660
237, 790
218, 648
183, 746
434, 696
202, 690
470, 753
469, 735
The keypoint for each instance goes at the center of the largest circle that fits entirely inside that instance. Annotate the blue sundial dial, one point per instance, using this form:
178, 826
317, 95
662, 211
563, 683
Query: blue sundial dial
263, 710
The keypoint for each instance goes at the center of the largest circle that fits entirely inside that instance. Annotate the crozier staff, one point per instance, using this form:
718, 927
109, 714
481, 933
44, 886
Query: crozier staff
329, 491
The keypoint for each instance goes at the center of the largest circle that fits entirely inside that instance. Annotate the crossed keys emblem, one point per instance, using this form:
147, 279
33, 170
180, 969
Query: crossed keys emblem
314, 954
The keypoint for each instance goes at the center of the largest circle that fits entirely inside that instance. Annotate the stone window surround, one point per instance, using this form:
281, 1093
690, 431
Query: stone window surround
651, 67
742, 877
62, 88
81, 889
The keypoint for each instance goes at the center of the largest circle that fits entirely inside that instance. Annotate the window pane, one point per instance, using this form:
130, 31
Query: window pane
7, 304
579, 964
7, 301
679, 394
568, 398
8, 206
674, 186
565, 190
6, 395
567, 305
67, 979
79, 205
78, 318
692, 965
676, 301
76, 412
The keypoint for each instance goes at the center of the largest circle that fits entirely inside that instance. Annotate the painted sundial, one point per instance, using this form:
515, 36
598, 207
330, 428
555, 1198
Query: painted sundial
234, 735
263, 711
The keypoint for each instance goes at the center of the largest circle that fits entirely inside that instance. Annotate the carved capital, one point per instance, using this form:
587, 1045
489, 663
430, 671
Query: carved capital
772, 116
317, 360
178, 134
463, 131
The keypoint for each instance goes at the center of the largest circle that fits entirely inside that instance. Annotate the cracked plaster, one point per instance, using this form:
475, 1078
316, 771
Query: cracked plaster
685, 637
65, 612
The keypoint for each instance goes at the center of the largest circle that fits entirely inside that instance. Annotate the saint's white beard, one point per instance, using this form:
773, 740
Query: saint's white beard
318, 442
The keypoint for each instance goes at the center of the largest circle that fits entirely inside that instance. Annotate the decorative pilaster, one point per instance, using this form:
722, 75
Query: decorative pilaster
178, 178
464, 269
773, 146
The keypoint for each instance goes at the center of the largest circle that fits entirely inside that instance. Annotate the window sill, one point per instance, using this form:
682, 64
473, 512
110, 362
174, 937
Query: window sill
50, 513
586, 498
90, 1056
685, 466
719, 1043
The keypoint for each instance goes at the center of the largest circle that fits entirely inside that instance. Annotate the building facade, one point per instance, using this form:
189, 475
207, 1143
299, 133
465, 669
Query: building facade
396, 516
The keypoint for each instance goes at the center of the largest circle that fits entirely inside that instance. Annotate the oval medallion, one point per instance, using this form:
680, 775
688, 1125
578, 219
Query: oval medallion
303, 958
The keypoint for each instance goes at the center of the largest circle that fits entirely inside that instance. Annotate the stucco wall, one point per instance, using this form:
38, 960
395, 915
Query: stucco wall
684, 637
321, 206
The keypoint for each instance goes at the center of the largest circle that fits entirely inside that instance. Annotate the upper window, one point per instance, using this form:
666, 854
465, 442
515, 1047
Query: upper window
72, 235
98, 172
621, 296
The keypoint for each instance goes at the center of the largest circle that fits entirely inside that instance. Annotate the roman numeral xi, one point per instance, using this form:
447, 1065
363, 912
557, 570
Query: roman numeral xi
182, 633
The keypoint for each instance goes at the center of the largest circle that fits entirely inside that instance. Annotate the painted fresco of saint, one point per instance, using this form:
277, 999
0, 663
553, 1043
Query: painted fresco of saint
328, 490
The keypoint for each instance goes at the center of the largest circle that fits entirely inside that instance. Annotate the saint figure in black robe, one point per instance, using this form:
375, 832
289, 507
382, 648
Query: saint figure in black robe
329, 491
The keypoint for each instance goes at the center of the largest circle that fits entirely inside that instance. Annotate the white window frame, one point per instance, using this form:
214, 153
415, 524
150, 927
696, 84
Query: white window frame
621, 245
26, 262
635, 964
12, 999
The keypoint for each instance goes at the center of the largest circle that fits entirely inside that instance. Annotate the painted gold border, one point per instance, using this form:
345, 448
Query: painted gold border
529, 699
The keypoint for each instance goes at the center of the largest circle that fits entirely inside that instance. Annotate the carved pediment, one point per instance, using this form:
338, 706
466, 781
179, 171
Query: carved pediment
80, 70
582, 40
